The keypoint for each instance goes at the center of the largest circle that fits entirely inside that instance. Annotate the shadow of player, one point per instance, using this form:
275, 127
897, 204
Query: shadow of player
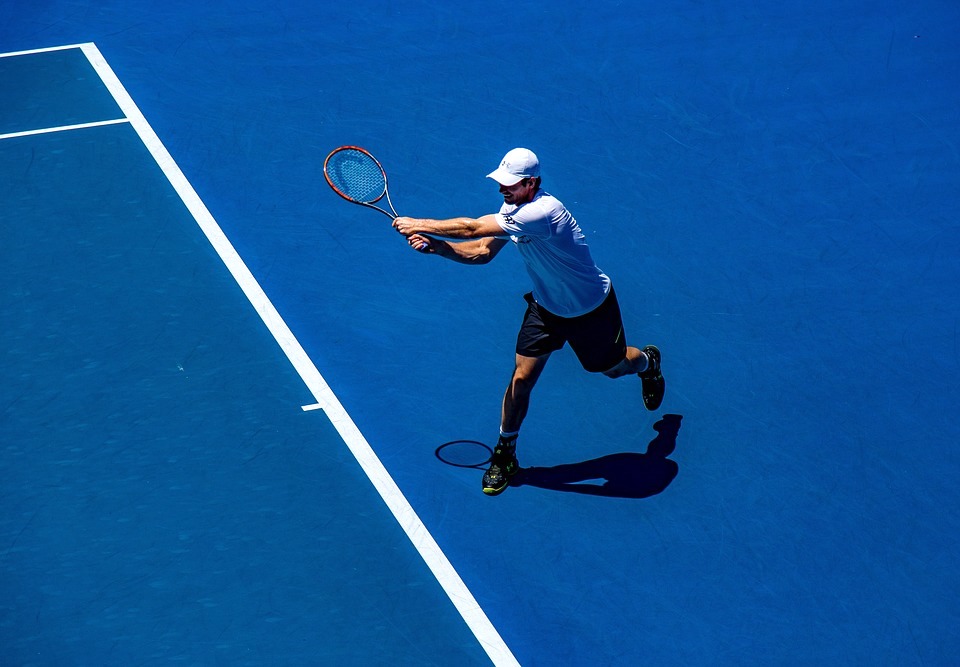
625, 475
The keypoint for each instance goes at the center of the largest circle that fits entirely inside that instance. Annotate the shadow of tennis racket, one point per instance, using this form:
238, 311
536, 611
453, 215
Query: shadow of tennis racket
465, 454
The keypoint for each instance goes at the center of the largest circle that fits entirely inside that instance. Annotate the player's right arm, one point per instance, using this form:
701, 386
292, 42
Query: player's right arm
454, 228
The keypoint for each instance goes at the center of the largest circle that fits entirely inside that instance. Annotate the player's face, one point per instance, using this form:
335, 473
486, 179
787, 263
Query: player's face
521, 193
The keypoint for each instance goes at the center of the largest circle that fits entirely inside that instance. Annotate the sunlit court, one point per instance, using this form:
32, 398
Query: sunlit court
245, 420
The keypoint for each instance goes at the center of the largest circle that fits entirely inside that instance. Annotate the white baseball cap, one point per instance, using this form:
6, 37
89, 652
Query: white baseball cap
516, 165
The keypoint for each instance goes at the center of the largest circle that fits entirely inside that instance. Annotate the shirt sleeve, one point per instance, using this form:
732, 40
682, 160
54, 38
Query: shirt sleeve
528, 220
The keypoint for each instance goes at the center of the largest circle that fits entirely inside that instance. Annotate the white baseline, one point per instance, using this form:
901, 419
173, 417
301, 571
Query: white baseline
62, 128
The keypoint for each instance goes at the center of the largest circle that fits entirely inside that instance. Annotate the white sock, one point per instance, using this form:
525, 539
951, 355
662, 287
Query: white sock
646, 361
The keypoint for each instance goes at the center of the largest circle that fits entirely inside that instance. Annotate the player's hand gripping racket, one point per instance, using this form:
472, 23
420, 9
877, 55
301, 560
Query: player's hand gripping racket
357, 176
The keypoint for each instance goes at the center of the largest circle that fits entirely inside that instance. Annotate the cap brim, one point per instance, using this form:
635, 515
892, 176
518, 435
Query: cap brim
504, 177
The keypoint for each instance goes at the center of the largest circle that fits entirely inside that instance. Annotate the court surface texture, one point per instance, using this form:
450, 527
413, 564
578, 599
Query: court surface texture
244, 424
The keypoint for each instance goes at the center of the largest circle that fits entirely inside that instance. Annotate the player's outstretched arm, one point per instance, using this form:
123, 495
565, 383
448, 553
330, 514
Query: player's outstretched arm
453, 228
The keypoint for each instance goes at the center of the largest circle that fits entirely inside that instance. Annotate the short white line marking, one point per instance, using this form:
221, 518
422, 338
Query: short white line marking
63, 128
308, 408
14, 54
430, 551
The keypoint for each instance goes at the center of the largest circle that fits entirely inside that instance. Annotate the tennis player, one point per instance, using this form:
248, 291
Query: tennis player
572, 299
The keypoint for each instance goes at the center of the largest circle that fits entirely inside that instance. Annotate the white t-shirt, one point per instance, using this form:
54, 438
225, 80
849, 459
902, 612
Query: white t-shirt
566, 280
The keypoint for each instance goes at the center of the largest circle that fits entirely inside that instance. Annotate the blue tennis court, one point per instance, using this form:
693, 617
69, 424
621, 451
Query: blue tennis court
240, 415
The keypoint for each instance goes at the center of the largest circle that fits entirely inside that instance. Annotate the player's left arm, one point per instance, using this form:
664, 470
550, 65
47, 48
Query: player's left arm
472, 251
453, 228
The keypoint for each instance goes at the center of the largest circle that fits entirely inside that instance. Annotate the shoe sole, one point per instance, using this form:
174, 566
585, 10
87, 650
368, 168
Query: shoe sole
652, 398
653, 387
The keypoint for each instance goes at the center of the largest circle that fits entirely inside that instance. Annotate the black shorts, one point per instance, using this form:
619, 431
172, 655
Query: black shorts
596, 337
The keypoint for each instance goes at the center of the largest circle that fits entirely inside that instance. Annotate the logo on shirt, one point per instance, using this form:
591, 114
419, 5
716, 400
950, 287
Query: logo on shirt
508, 219
516, 238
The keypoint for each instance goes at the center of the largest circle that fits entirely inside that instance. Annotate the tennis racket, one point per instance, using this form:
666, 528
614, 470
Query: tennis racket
354, 174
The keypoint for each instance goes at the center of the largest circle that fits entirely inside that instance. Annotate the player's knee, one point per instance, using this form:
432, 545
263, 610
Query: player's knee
522, 383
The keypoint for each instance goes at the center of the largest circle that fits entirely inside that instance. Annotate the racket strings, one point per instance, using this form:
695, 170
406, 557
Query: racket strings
356, 175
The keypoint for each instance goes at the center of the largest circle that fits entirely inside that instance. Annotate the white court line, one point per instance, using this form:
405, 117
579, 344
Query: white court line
63, 128
14, 54
404, 513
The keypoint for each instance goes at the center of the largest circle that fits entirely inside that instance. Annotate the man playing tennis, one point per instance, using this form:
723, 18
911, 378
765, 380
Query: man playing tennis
572, 300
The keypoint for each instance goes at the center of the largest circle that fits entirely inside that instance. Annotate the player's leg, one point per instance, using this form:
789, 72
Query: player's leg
635, 361
600, 343
516, 401
646, 364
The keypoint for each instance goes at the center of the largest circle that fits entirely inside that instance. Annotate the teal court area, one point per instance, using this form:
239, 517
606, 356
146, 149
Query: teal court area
242, 422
